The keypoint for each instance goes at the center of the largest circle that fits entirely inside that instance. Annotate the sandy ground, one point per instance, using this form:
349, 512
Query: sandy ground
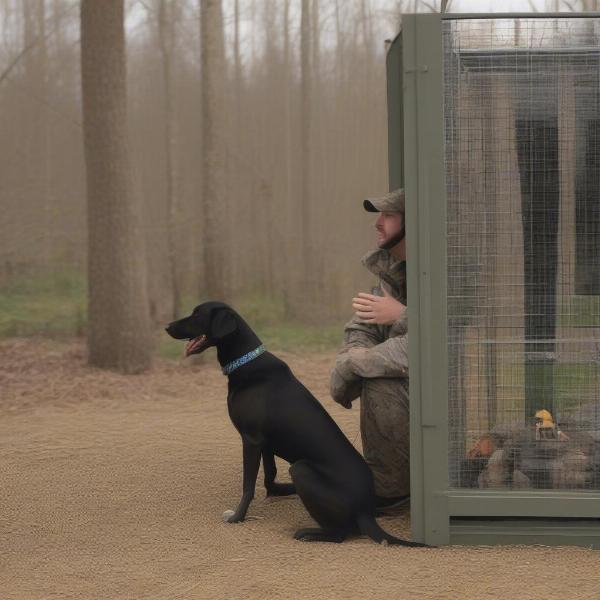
113, 487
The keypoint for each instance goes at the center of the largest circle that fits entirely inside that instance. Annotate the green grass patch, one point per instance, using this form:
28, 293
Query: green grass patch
291, 336
570, 383
266, 315
169, 348
53, 303
286, 337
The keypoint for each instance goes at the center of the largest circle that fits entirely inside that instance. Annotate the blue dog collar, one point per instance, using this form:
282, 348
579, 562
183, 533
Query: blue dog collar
242, 360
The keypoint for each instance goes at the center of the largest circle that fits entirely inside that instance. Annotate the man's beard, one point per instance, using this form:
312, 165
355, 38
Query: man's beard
395, 239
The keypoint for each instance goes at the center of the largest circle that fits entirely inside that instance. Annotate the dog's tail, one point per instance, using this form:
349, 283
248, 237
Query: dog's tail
369, 526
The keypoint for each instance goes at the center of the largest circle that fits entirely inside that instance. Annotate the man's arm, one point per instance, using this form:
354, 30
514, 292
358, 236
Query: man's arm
345, 384
400, 326
388, 359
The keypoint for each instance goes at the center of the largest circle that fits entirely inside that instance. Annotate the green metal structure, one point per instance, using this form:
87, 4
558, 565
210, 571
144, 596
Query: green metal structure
442, 510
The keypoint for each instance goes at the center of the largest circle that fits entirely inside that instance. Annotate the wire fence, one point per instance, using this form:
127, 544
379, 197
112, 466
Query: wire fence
522, 127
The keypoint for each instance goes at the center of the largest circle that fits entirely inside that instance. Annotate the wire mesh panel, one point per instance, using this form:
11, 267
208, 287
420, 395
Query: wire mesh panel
522, 128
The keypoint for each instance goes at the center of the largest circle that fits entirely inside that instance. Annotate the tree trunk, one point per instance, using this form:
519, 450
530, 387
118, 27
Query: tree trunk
237, 71
316, 48
119, 334
166, 28
214, 201
305, 174
320, 163
43, 167
237, 139
289, 190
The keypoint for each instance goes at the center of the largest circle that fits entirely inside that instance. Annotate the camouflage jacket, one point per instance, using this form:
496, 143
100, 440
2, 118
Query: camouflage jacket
373, 350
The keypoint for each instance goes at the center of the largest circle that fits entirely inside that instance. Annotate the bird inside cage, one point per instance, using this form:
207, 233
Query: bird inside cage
546, 428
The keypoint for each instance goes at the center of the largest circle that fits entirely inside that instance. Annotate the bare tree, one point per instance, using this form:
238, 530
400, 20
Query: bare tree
237, 66
305, 136
316, 48
214, 201
41, 124
339, 44
167, 43
267, 169
119, 334
287, 151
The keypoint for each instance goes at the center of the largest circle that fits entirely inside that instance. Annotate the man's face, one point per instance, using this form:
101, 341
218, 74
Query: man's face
388, 224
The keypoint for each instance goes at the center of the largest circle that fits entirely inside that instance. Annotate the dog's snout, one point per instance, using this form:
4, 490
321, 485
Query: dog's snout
179, 330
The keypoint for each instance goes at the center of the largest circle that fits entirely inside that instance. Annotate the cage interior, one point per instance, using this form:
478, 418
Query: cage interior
522, 131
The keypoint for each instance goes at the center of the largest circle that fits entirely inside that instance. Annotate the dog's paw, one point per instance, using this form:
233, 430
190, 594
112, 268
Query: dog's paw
281, 489
230, 516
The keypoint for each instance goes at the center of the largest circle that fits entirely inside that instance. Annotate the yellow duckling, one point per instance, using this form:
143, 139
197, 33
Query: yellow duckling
545, 427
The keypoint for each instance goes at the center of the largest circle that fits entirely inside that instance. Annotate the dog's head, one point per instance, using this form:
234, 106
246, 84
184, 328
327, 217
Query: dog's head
208, 325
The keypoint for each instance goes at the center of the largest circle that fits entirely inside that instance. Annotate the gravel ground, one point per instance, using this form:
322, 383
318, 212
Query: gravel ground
113, 486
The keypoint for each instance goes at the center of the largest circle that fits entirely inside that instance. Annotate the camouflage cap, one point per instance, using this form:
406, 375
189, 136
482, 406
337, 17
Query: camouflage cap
391, 202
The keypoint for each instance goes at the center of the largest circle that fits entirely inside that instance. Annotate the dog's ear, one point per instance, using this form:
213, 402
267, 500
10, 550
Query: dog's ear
222, 324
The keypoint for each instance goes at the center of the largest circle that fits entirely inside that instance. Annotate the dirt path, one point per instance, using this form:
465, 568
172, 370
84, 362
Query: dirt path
114, 487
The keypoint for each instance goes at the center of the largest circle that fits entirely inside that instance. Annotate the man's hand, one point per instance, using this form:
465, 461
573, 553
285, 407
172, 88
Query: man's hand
345, 386
380, 310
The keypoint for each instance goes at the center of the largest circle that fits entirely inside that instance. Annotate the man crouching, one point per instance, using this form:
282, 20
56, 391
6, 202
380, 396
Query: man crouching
373, 362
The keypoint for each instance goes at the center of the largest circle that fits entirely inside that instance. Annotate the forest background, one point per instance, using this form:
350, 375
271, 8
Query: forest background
253, 129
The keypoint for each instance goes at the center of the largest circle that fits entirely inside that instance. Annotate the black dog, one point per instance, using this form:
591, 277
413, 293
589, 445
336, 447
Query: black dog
276, 415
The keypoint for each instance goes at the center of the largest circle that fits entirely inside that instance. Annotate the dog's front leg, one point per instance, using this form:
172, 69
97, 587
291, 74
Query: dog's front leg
252, 454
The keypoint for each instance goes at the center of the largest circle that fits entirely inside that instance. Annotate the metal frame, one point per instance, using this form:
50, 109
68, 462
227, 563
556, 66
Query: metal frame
426, 275
439, 514
395, 115
518, 15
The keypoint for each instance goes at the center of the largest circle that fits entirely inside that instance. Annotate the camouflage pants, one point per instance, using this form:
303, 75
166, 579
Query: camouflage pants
384, 428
